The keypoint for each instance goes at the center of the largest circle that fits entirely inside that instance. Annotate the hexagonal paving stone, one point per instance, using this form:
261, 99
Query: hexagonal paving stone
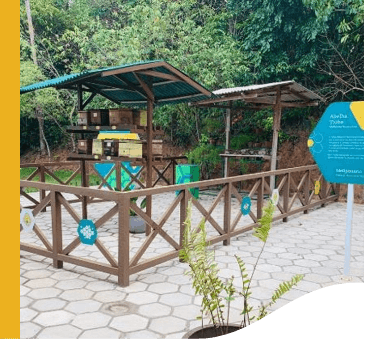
87, 321
61, 332
108, 296
142, 298
175, 299
154, 310
136, 286
38, 274
129, 323
44, 293
29, 330
100, 286
167, 325
24, 290
71, 284
26, 314
54, 318
187, 312
40, 283
76, 294
83, 306
50, 304
104, 332
142, 334
25, 301
64, 275
162, 288
271, 284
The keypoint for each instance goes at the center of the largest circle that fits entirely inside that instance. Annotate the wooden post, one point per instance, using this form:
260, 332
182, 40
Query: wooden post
337, 191
323, 190
286, 192
118, 175
79, 98
173, 171
306, 190
149, 159
123, 241
228, 129
227, 214
260, 198
183, 207
56, 229
84, 183
42, 193
276, 128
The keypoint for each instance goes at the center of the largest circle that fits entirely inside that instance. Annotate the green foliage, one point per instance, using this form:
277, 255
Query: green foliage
241, 141
204, 273
207, 157
262, 232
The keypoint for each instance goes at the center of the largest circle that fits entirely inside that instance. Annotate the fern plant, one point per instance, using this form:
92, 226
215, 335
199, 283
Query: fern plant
204, 273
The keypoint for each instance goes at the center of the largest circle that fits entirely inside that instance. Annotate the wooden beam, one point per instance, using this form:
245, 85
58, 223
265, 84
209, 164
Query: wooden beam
94, 89
160, 75
299, 104
79, 97
145, 87
228, 130
91, 97
131, 85
211, 101
133, 68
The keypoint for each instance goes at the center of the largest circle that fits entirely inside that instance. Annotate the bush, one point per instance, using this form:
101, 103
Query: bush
207, 157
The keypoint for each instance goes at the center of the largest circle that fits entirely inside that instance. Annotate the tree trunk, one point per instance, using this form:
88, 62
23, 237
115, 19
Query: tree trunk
31, 32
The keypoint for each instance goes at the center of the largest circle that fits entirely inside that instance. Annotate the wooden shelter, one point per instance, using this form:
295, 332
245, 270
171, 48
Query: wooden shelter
141, 84
277, 95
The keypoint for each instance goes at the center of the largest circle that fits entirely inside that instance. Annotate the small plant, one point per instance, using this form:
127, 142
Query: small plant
218, 294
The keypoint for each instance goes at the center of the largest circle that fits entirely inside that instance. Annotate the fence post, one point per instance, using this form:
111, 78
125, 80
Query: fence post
227, 214
183, 206
260, 197
323, 190
306, 190
286, 195
84, 183
123, 241
337, 191
42, 193
56, 229
118, 176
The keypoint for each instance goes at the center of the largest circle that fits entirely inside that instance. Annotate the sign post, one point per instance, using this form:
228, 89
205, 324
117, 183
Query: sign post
337, 146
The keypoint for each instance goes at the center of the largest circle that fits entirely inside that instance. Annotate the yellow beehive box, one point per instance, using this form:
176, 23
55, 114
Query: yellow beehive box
130, 148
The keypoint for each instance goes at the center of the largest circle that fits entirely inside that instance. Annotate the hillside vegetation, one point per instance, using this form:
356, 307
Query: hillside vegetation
220, 43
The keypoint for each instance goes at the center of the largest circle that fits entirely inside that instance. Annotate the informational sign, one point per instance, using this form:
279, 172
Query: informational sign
337, 143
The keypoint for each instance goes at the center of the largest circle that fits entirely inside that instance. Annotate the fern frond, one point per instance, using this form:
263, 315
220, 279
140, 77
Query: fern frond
262, 232
285, 287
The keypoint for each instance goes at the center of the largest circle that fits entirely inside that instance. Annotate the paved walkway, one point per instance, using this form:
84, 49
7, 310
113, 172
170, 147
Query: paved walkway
76, 302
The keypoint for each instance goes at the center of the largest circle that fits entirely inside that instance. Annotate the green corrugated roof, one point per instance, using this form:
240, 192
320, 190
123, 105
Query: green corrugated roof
122, 86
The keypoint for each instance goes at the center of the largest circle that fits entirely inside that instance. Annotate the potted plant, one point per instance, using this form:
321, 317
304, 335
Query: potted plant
136, 223
217, 294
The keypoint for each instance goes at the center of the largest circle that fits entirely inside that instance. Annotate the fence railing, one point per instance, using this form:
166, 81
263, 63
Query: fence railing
295, 185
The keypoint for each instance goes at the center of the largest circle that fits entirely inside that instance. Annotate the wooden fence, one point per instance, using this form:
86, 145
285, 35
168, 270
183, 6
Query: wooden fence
296, 187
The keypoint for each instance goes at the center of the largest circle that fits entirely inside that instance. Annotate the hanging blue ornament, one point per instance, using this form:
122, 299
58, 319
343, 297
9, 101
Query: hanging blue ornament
87, 232
246, 205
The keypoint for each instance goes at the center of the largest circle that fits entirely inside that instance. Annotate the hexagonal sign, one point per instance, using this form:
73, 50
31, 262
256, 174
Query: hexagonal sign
27, 219
87, 232
337, 143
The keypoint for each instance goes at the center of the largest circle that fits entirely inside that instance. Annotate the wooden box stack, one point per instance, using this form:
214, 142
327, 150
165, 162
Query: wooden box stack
99, 117
98, 148
110, 147
130, 148
156, 148
84, 146
140, 118
84, 118
120, 116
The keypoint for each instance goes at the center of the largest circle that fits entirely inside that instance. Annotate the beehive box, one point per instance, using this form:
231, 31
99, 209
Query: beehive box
84, 146
99, 117
98, 147
110, 147
156, 148
84, 118
130, 148
140, 118
120, 116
